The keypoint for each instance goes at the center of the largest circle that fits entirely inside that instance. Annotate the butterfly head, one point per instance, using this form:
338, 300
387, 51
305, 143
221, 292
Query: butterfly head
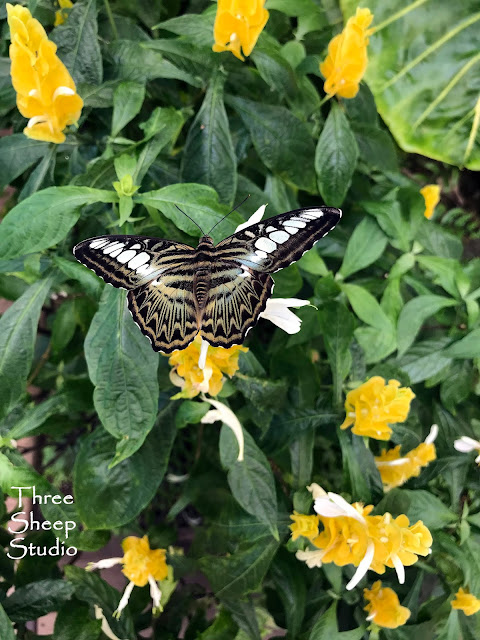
205, 242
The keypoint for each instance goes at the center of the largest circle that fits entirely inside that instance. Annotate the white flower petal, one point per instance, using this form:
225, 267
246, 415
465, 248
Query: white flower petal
390, 463
349, 511
36, 120
254, 218
326, 508
124, 600
316, 490
155, 594
203, 354
207, 374
399, 568
225, 414
278, 312
432, 436
363, 567
63, 91
106, 563
105, 626
477, 459
466, 444
311, 558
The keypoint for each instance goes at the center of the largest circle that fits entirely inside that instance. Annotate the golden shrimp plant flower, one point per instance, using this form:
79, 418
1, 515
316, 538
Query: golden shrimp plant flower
396, 469
347, 59
62, 13
384, 607
46, 93
466, 602
142, 566
431, 195
374, 405
238, 24
351, 535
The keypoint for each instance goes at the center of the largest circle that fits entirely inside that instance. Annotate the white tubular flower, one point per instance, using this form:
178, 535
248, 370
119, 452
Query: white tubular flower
203, 354
106, 563
156, 595
254, 218
105, 626
432, 436
362, 568
331, 505
223, 414
124, 600
311, 558
278, 312
466, 445
316, 490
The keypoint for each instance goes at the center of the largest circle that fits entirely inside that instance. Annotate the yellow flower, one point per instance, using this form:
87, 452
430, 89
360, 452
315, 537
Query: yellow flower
238, 24
384, 608
306, 526
351, 535
46, 93
431, 195
62, 13
395, 470
347, 59
466, 602
141, 565
372, 406
195, 376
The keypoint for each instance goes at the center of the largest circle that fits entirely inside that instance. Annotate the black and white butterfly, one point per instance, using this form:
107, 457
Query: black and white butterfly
175, 291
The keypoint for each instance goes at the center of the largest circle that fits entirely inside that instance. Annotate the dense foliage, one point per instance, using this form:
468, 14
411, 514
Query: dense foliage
168, 122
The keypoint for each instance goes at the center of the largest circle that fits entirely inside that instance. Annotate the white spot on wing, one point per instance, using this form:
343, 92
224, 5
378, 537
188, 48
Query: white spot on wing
98, 243
144, 270
279, 236
294, 222
265, 244
113, 246
117, 252
291, 230
126, 256
261, 254
136, 246
138, 260
270, 228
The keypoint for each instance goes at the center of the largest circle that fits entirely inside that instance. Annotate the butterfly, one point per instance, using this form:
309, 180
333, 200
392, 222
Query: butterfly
176, 291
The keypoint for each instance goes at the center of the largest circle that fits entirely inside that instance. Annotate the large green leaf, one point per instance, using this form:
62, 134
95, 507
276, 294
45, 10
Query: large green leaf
18, 330
209, 156
365, 246
423, 73
6, 628
37, 599
127, 101
45, 218
413, 315
74, 623
17, 154
107, 497
123, 368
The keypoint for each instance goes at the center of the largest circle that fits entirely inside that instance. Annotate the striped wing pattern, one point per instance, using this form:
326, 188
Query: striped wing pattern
276, 242
237, 297
175, 291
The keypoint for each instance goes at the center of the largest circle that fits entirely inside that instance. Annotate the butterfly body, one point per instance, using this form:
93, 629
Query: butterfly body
175, 291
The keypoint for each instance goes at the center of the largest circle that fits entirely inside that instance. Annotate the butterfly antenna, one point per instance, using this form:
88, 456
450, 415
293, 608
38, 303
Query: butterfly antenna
186, 214
222, 219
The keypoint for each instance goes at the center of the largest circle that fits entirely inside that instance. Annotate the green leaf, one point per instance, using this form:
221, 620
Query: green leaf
198, 201
457, 387
90, 588
366, 307
326, 628
251, 480
209, 156
33, 418
425, 359
467, 347
190, 412
106, 497
45, 218
281, 140
388, 214
127, 101
337, 329
123, 368
335, 157
17, 154
375, 146
37, 599
73, 622
301, 458
244, 614
223, 628
417, 505
18, 330
91, 283
273, 66
290, 586
366, 244
64, 325
6, 628
234, 575
427, 105
414, 314
77, 41
198, 27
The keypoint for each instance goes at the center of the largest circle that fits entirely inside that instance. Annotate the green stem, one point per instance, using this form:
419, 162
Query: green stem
108, 9
325, 99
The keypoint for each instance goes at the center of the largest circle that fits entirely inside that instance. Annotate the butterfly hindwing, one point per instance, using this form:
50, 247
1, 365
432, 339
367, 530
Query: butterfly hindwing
276, 242
164, 309
236, 298
128, 262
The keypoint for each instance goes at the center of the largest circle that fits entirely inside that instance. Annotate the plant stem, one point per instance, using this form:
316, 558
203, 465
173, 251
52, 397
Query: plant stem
108, 9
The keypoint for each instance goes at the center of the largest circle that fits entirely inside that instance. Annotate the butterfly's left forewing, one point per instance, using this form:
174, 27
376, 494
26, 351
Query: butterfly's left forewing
276, 242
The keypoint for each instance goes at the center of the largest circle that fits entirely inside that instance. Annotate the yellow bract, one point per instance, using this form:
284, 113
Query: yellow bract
374, 405
466, 602
140, 561
396, 469
46, 93
238, 24
61, 14
187, 374
306, 526
431, 195
347, 59
384, 608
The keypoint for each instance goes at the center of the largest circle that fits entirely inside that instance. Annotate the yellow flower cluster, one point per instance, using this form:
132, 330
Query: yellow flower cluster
62, 13
466, 602
238, 24
384, 608
192, 379
347, 59
140, 562
374, 405
46, 93
395, 469
431, 195
351, 535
